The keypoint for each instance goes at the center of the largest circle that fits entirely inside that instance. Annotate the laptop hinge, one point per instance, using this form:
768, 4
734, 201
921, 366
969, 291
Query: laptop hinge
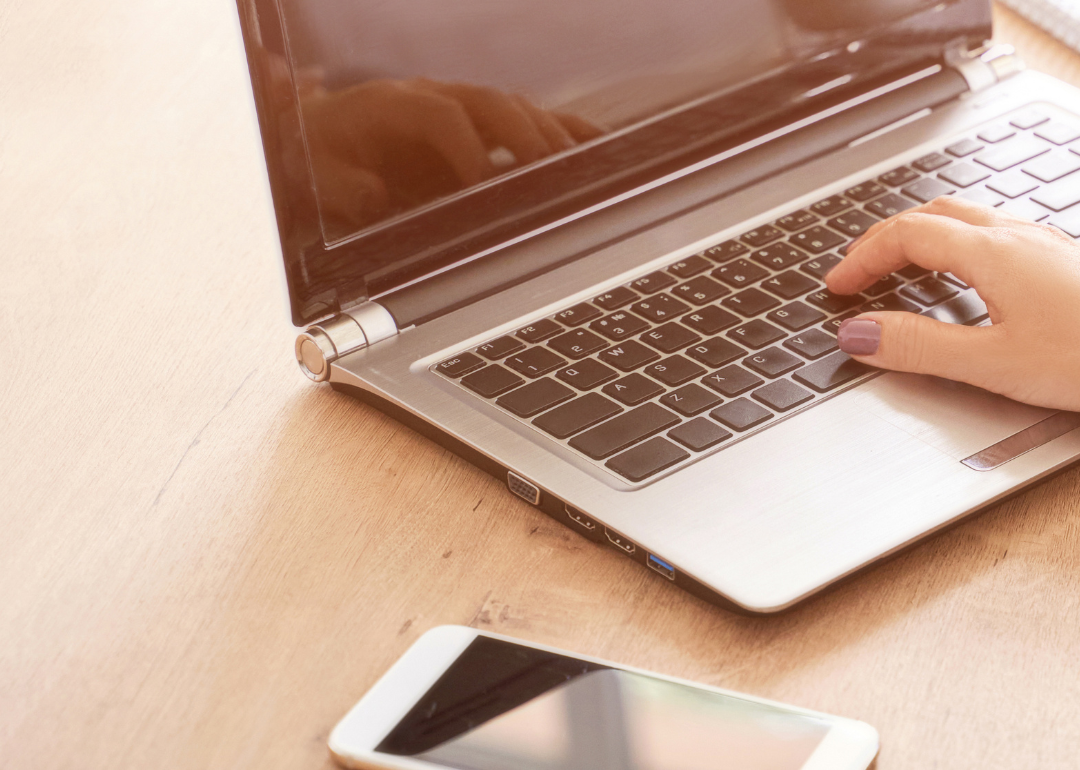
357, 327
984, 67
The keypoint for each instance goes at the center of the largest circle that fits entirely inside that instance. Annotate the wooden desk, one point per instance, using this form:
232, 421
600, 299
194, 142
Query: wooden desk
205, 560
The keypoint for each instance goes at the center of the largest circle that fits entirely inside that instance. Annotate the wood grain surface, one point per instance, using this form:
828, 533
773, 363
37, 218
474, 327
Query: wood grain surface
205, 559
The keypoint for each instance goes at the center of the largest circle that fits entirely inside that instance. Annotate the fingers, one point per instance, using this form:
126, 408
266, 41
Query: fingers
907, 342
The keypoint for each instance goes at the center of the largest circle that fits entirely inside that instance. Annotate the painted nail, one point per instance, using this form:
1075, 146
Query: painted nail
859, 336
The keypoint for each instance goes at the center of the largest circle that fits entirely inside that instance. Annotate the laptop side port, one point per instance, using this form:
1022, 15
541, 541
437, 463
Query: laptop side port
656, 564
620, 542
580, 518
527, 491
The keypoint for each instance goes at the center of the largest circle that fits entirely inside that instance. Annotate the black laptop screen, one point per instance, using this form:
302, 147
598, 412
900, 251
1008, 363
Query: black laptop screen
405, 135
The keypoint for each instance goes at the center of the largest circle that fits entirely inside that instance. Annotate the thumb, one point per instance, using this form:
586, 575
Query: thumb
906, 342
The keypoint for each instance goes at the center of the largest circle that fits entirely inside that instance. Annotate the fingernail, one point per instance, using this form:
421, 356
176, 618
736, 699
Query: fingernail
859, 336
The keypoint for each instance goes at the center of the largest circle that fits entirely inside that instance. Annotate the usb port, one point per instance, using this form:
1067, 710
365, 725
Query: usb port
659, 565
580, 518
619, 541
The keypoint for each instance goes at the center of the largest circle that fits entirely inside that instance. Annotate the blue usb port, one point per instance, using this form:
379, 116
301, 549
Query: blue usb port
656, 564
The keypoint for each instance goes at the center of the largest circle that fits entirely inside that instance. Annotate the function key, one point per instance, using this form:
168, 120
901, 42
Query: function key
700, 290
781, 256
577, 343
491, 381
963, 148
963, 174
699, 434
628, 355
689, 267
772, 362
865, 191
710, 320
741, 414
732, 381
535, 362
1058, 132
739, 273
586, 374
659, 308
929, 291
500, 348
690, 400
647, 459
898, 177
853, 223
812, 344
615, 298
995, 134
796, 220
535, 397
577, 415
834, 204
652, 282
782, 395
618, 326
674, 370
817, 239
459, 365
727, 250
820, 266
669, 337
1029, 119
578, 314
762, 235
540, 330
931, 162
889, 205
633, 389
925, 190
756, 334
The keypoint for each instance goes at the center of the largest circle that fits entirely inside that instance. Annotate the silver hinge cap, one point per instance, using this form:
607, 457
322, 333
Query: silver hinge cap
982, 69
357, 327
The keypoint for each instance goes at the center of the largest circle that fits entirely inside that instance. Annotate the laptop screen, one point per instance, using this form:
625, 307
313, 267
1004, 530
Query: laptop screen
403, 136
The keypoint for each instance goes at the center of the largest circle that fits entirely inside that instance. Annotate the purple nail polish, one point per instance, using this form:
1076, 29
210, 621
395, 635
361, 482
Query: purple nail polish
859, 336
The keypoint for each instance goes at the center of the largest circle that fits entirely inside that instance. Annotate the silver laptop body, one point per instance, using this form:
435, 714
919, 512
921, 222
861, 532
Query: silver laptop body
775, 512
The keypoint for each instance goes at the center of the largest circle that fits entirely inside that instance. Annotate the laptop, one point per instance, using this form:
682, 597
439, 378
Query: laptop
581, 245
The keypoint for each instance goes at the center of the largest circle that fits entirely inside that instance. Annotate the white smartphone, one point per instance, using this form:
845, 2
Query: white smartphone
460, 698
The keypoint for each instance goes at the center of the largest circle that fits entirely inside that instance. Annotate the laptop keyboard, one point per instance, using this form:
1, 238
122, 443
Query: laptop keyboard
652, 375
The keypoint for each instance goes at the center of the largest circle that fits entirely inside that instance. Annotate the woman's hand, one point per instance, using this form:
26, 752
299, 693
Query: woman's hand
1027, 274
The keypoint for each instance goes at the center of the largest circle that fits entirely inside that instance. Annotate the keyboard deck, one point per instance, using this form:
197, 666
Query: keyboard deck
684, 361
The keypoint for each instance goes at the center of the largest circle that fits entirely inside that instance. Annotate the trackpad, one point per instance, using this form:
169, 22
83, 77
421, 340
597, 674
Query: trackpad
952, 417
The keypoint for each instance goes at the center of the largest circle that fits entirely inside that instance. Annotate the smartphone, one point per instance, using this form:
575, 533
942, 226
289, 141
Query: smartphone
460, 698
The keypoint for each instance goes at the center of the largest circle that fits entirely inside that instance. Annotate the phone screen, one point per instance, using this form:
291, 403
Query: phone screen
502, 706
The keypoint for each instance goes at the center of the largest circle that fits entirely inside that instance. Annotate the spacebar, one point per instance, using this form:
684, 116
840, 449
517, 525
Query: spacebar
831, 372
626, 429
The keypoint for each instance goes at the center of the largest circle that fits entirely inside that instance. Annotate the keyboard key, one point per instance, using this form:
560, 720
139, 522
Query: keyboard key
790, 285
629, 355
820, 266
710, 320
577, 415
780, 256
853, 223
1011, 153
812, 344
727, 250
830, 373
883, 285
674, 371
539, 331
1058, 132
689, 267
732, 380
967, 309
964, 174
750, 302
1029, 118
816, 240
586, 374
889, 205
953, 280
890, 303
931, 162
834, 303
653, 282
756, 334
699, 434
578, 314
491, 381
995, 134
701, 290
796, 221
535, 362
739, 273
741, 414
615, 298
982, 196
633, 389
1067, 221
715, 352
1012, 184
831, 206
913, 271
647, 459
690, 400
963, 148
460, 364
535, 397
898, 176
659, 308
621, 432
669, 337
929, 291
865, 191
925, 190
577, 343
796, 316
772, 362
500, 348
1025, 208
782, 395
832, 326
619, 326
762, 235
1052, 166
